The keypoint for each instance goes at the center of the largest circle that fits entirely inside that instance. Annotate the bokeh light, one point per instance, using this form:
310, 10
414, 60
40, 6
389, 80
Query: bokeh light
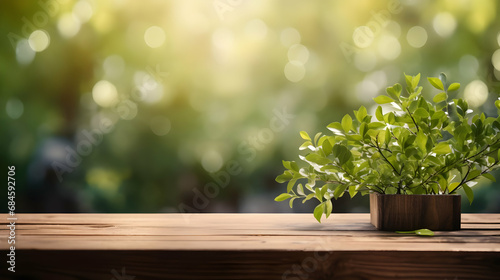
24, 53
294, 71
389, 47
416, 36
290, 36
212, 161
256, 29
444, 24
154, 36
298, 53
83, 11
363, 36
160, 125
113, 66
39, 40
14, 108
105, 94
495, 59
476, 93
68, 25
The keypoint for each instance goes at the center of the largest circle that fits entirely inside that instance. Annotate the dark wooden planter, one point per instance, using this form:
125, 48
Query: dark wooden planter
410, 212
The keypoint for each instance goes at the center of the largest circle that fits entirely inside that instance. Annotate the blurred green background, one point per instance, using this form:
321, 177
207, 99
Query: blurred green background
175, 106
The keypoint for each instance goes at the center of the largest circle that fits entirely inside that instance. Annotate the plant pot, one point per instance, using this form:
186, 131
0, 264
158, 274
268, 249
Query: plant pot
410, 212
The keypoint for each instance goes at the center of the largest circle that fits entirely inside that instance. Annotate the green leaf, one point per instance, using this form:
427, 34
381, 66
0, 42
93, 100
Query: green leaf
319, 196
284, 177
347, 123
352, 191
468, 193
291, 165
324, 190
339, 191
305, 136
283, 196
318, 159
342, 153
393, 93
442, 78
442, 183
452, 187
379, 115
318, 211
382, 99
440, 97
390, 118
363, 128
421, 112
435, 188
489, 176
305, 145
291, 202
354, 137
421, 141
415, 80
442, 148
361, 114
286, 164
387, 138
376, 125
497, 104
308, 186
473, 174
327, 147
329, 208
308, 197
290, 185
409, 82
436, 82
316, 138
300, 189
454, 86
420, 232
335, 127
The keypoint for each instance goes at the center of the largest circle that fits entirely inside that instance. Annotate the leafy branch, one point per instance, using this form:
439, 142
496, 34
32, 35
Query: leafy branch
397, 153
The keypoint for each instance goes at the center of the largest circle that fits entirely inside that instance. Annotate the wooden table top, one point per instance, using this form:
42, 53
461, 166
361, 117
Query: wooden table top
244, 246
289, 232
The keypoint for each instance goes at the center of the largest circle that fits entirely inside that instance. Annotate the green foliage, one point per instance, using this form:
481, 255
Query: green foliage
420, 147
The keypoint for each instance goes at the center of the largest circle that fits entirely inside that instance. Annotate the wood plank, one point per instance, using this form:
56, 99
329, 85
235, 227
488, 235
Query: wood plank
235, 232
218, 265
284, 243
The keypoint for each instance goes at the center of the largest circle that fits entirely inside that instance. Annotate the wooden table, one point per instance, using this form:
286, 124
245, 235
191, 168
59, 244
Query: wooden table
244, 246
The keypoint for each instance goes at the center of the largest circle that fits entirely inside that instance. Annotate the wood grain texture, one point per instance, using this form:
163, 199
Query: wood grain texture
411, 212
244, 246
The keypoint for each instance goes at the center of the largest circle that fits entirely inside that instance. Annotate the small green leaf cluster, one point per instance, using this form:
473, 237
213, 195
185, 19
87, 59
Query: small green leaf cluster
418, 147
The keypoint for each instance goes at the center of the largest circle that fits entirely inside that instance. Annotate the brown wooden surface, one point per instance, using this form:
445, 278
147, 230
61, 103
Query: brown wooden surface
244, 246
411, 212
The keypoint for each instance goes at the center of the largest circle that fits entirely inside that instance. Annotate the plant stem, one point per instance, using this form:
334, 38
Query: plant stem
484, 149
489, 168
411, 116
382, 154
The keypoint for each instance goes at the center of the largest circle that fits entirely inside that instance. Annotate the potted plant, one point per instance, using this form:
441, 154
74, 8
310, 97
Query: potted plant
411, 157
